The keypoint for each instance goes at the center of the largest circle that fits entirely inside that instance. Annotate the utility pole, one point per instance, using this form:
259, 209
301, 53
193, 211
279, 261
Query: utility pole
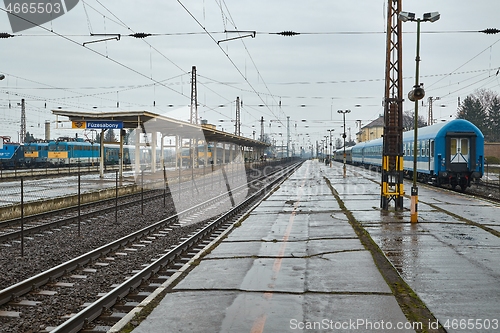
262, 129
288, 136
23, 122
193, 117
238, 121
430, 116
392, 153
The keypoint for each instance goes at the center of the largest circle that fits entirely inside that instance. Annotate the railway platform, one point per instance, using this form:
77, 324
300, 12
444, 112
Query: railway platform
318, 255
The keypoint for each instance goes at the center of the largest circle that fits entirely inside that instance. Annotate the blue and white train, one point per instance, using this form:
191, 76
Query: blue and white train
447, 153
10, 153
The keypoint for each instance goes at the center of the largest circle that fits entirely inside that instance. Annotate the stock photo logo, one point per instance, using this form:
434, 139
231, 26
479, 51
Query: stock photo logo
196, 177
24, 15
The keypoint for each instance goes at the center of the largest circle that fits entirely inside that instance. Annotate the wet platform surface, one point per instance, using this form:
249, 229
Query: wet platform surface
296, 264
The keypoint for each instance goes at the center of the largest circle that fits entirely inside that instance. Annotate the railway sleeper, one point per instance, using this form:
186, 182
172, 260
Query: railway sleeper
96, 329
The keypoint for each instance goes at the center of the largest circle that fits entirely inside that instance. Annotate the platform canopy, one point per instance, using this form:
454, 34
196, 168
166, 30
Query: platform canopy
150, 122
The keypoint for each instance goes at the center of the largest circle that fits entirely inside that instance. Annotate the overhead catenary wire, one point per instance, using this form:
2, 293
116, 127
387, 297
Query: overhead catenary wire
264, 93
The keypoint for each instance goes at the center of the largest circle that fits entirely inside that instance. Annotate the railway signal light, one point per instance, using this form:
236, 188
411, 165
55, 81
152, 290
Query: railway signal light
416, 94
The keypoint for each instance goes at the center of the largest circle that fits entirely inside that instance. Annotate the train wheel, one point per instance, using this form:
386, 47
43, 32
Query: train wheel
463, 184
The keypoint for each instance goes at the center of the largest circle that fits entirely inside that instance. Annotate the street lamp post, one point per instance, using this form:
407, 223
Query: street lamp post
331, 148
415, 95
344, 135
326, 148
323, 143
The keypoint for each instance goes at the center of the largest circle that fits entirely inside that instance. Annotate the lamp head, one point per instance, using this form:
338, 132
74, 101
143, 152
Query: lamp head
406, 16
432, 17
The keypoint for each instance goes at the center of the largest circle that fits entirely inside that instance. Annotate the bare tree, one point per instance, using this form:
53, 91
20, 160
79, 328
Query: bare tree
409, 121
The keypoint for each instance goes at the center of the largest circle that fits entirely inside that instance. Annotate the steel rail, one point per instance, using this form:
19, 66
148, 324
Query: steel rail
47, 226
90, 313
50, 225
38, 280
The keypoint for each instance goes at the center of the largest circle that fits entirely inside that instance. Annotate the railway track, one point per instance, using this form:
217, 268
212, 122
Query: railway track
147, 256
39, 223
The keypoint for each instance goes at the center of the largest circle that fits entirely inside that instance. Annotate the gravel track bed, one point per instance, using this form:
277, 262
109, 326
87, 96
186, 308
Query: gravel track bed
485, 192
42, 252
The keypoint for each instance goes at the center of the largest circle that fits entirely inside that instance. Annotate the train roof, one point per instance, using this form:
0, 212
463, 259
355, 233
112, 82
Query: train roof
72, 143
440, 130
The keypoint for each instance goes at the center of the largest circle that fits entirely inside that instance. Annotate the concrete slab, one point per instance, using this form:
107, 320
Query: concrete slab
213, 274
258, 249
336, 313
294, 264
337, 273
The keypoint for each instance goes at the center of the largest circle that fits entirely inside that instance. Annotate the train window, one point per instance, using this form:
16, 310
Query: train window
432, 148
453, 146
464, 143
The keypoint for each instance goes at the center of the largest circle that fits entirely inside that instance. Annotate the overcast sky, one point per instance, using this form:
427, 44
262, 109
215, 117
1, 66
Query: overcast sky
338, 62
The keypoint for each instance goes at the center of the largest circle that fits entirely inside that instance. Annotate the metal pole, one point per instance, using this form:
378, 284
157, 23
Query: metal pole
79, 202
22, 217
116, 196
414, 189
142, 191
331, 148
165, 186
288, 136
343, 135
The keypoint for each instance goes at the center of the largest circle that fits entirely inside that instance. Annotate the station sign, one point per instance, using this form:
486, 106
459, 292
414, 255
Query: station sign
98, 124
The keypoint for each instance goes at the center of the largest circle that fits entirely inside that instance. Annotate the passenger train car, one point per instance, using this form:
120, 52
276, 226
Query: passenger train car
79, 152
447, 153
206, 158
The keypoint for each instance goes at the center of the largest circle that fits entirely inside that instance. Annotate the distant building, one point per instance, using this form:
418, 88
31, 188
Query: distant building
373, 130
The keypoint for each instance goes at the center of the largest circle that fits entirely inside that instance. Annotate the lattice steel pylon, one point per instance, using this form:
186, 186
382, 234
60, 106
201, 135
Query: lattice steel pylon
392, 150
237, 124
22, 134
193, 117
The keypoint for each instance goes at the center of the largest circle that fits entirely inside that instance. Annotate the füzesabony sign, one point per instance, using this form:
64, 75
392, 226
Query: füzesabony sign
105, 124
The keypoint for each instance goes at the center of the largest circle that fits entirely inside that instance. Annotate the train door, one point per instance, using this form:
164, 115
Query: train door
459, 154
431, 156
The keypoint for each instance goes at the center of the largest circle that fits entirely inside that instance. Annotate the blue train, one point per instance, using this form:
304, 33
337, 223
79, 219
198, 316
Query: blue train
447, 153
69, 152
10, 153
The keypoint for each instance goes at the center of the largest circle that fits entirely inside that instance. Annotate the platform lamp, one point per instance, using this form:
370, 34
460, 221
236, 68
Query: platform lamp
331, 148
344, 135
326, 147
416, 94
